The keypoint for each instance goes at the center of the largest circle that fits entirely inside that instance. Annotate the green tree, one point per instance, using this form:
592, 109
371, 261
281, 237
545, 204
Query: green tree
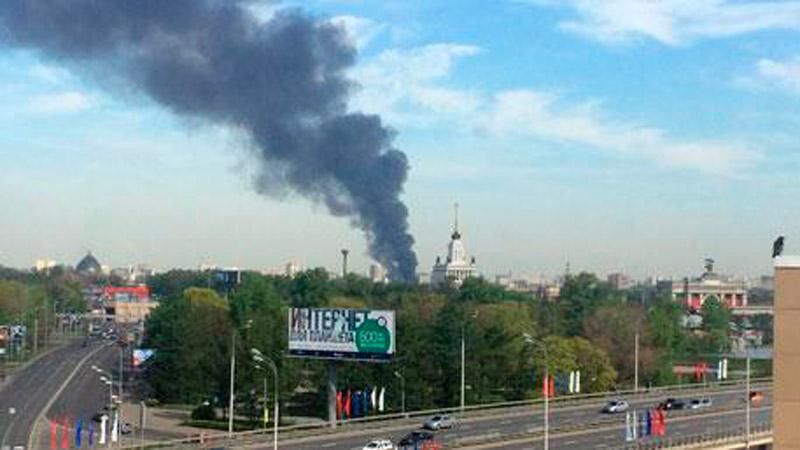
580, 295
716, 325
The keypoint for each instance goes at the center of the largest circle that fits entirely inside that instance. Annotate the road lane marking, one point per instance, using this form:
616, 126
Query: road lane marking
55, 396
329, 444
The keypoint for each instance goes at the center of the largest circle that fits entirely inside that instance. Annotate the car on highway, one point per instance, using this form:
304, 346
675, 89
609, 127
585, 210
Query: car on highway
440, 422
699, 403
379, 444
615, 406
756, 398
672, 404
414, 438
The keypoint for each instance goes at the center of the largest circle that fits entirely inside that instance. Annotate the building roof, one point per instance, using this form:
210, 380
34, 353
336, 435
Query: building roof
89, 265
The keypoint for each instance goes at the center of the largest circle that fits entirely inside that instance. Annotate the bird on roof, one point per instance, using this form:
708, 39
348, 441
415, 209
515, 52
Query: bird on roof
777, 247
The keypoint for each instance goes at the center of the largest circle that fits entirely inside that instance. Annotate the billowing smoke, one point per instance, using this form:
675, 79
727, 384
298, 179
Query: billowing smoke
281, 81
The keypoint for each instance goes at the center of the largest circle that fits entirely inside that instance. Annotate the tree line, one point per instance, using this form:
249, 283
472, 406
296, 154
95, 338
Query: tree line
590, 328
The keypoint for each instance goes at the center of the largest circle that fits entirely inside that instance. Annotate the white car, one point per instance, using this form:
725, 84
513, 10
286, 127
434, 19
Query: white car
440, 422
380, 444
615, 406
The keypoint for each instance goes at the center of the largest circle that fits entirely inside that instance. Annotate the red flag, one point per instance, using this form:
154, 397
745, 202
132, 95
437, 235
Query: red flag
544, 387
53, 434
65, 437
347, 405
552, 390
338, 404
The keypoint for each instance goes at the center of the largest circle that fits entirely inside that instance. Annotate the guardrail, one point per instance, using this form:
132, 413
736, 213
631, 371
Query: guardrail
471, 412
730, 435
729, 439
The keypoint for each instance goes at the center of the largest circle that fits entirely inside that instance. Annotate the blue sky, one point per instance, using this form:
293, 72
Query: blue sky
619, 135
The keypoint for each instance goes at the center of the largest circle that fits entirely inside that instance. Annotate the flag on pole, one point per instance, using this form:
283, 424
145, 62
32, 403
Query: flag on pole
78, 430
65, 436
266, 415
103, 422
365, 403
346, 409
572, 382
374, 397
115, 428
578, 381
380, 399
552, 390
53, 434
339, 405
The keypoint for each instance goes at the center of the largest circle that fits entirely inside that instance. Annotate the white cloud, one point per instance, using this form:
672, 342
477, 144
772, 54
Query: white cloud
360, 30
398, 79
534, 114
62, 102
49, 74
779, 74
673, 22
409, 88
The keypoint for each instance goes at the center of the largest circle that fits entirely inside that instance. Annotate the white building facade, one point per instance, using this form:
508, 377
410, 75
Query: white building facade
457, 266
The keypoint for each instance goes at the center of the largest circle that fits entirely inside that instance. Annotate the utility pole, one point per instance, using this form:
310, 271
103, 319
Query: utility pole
233, 369
747, 399
463, 367
35, 331
636, 361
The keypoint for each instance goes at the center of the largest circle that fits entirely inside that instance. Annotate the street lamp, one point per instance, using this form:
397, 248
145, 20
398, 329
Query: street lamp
529, 339
259, 359
233, 371
402, 390
463, 362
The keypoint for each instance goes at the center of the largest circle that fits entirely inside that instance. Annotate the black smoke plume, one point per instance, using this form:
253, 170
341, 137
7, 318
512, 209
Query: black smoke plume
281, 81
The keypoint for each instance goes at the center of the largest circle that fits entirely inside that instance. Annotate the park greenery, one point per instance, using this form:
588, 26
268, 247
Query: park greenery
590, 328
33, 298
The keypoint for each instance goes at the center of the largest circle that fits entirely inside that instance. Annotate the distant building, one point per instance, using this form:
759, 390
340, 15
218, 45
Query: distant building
457, 267
377, 274
132, 275
44, 265
127, 304
292, 269
620, 281
423, 278
694, 292
89, 266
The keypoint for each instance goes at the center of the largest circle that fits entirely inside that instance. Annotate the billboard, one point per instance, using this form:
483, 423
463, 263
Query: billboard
140, 355
339, 333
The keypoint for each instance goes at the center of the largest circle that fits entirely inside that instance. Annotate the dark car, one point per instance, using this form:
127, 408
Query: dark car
414, 438
672, 404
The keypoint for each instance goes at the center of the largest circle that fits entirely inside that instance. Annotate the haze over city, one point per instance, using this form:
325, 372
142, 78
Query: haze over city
638, 142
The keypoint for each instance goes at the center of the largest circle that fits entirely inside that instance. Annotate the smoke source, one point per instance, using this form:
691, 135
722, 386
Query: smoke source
281, 81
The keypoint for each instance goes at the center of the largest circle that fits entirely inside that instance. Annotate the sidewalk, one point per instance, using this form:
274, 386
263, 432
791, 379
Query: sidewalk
160, 423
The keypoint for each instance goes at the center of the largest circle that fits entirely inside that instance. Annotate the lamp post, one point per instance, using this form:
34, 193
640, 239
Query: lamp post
259, 359
233, 373
529, 339
747, 399
402, 391
463, 362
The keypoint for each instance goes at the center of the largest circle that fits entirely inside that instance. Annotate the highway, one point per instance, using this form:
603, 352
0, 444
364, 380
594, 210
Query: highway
56, 385
576, 426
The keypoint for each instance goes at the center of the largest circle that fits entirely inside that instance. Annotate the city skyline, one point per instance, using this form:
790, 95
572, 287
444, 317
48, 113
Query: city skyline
555, 126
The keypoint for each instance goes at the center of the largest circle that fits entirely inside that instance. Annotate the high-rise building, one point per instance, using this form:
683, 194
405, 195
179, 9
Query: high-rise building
457, 266
377, 274
786, 361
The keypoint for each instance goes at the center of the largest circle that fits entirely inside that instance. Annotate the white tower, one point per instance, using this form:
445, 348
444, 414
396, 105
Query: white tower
458, 266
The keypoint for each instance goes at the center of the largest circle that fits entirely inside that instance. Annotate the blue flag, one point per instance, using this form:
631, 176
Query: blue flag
91, 434
78, 427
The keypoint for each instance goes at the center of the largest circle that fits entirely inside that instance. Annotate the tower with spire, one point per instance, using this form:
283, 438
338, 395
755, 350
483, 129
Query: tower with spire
457, 266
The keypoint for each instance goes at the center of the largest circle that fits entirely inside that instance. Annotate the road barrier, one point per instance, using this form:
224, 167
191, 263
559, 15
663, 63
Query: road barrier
472, 412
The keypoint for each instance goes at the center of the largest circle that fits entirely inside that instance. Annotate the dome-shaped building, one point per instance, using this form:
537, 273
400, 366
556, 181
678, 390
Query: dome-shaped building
89, 265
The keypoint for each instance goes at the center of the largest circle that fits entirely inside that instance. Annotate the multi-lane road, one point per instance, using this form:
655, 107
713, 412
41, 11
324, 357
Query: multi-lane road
579, 426
56, 385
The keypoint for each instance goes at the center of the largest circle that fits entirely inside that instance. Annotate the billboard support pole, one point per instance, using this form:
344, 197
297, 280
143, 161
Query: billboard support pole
332, 393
